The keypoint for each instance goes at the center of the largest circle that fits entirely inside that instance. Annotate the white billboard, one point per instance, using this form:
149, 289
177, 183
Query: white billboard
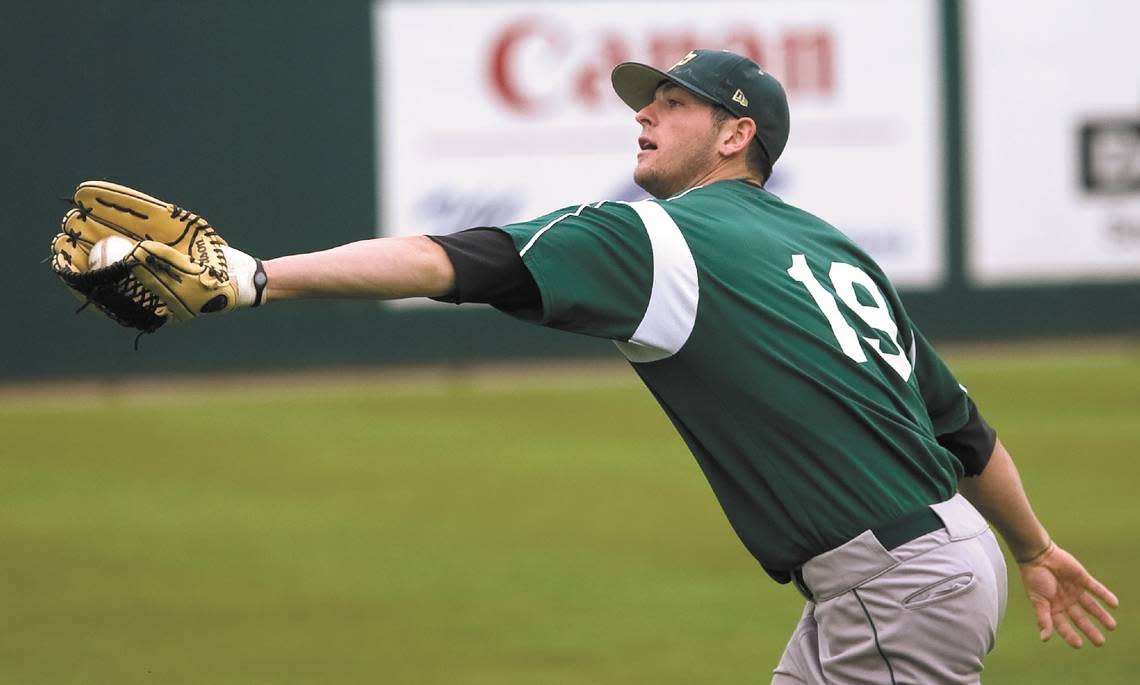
492, 112
1053, 128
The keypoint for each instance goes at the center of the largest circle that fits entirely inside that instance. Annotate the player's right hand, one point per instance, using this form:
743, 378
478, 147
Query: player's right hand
1064, 595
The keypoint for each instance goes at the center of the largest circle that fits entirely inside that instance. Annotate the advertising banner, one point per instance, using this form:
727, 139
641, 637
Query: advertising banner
1053, 140
492, 112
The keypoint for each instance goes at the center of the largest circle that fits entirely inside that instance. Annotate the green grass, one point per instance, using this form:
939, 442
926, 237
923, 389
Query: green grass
470, 531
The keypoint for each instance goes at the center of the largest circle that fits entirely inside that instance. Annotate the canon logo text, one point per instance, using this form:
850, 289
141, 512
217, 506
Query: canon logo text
576, 68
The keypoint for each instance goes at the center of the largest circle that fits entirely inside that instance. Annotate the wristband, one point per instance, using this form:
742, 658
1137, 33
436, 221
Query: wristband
260, 280
1037, 556
248, 275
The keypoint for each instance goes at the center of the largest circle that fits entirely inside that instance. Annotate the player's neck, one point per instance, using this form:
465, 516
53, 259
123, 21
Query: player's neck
727, 170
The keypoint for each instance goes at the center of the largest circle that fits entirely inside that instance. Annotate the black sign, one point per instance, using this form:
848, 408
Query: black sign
1110, 156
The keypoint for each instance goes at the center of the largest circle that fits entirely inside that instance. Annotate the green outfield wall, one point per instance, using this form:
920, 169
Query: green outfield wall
260, 115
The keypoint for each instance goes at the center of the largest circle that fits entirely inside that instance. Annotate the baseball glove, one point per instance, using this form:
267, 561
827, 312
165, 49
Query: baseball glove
180, 267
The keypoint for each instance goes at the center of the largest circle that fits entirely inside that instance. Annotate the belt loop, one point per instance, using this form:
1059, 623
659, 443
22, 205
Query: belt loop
960, 517
850, 565
801, 584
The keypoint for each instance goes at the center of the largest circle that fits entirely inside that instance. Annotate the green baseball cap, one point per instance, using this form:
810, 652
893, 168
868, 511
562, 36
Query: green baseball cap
724, 78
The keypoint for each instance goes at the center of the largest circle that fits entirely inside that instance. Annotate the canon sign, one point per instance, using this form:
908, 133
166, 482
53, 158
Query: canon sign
517, 115
537, 65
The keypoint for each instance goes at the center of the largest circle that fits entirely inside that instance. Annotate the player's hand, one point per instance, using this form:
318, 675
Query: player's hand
1064, 595
179, 267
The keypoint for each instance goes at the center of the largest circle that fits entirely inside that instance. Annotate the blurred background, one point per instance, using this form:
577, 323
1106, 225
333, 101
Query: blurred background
360, 492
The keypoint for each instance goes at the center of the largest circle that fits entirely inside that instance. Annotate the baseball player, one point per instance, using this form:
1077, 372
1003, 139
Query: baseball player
846, 456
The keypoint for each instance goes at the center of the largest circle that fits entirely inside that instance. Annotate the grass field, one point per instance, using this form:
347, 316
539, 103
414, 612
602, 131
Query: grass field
471, 529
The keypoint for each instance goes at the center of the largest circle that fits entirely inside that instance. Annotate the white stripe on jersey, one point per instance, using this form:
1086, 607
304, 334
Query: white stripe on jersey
548, 226
672, 312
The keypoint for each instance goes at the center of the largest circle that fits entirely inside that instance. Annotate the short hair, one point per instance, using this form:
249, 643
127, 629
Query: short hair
755, 158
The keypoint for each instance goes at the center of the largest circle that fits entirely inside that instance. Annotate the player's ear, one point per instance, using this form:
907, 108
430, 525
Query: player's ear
736, 135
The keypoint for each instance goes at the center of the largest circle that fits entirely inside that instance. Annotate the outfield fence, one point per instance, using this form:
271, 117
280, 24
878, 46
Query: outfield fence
947, 136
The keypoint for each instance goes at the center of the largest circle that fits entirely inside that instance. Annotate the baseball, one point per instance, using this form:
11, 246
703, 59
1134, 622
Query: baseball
108, 251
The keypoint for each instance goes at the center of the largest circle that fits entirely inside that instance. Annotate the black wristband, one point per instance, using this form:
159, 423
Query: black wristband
260, 281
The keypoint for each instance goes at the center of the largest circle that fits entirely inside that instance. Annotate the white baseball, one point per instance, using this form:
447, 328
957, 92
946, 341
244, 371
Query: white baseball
108, 251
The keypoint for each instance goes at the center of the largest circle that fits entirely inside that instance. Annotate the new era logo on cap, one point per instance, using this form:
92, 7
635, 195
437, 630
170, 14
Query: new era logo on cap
738, 96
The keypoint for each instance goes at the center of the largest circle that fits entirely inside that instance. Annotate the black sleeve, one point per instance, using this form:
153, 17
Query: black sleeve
973, 443
489, 270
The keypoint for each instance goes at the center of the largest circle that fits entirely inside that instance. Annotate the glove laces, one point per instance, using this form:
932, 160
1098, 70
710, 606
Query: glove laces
202, 247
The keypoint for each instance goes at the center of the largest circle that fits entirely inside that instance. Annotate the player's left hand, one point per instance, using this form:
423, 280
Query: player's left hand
1064, 594
179, 267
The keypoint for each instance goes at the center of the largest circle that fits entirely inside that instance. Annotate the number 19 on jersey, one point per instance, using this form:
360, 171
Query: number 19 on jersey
844, 278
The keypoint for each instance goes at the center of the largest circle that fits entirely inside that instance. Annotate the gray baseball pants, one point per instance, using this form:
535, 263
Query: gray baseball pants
924, 613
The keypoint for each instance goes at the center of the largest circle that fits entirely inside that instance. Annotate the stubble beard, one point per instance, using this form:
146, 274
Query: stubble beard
651, 182
662, 185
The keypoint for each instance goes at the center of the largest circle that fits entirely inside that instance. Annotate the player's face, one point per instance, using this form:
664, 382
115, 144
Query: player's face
678, 142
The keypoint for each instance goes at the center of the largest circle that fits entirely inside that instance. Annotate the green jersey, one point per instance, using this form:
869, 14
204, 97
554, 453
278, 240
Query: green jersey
776, 346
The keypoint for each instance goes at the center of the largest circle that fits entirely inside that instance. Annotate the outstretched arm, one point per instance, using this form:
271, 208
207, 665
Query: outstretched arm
377, 269
1062, 592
